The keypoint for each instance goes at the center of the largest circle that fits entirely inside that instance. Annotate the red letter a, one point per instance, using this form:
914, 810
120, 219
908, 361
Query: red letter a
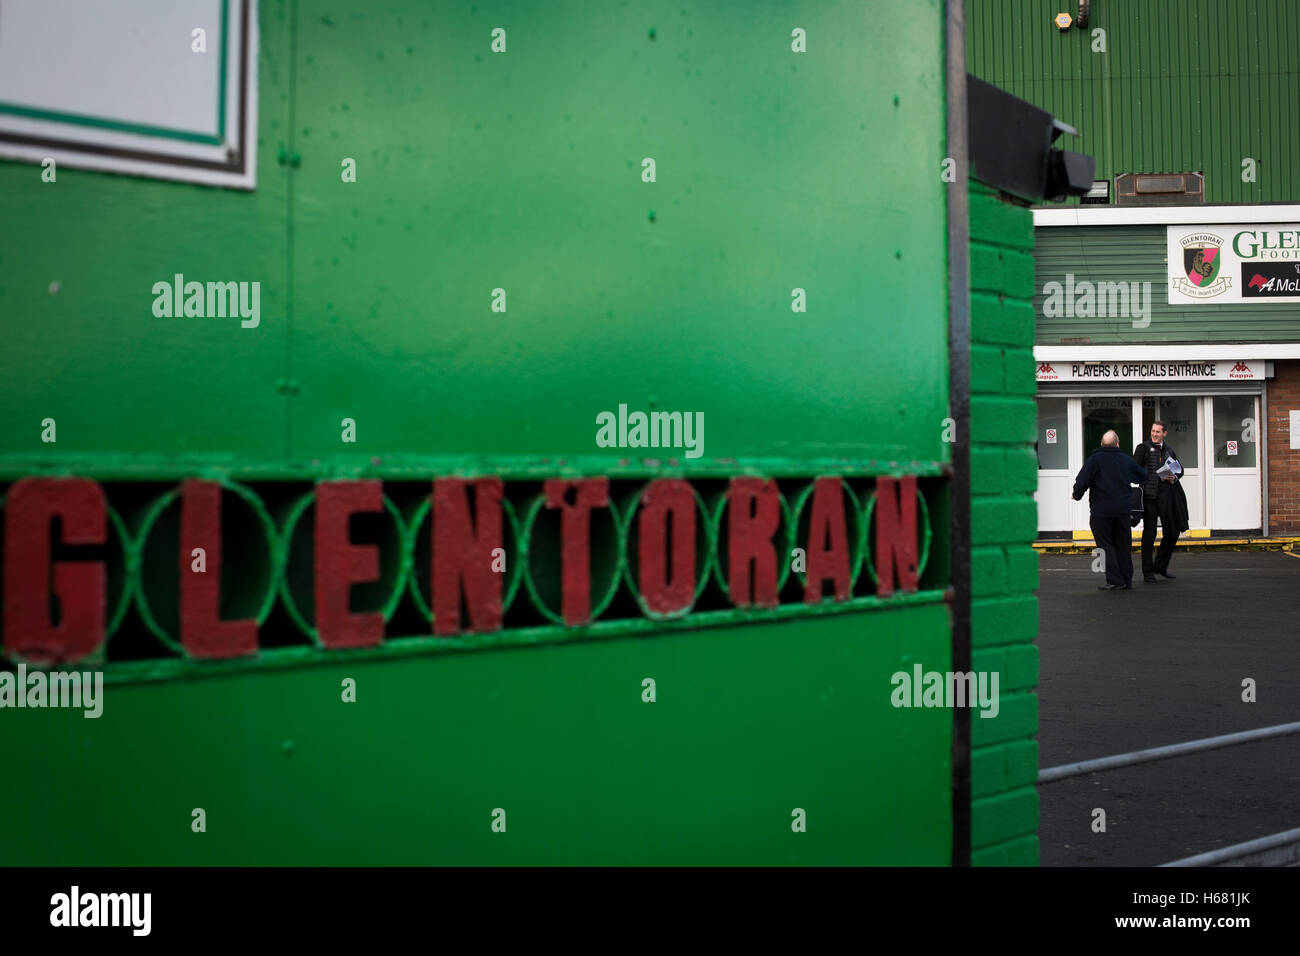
827, 561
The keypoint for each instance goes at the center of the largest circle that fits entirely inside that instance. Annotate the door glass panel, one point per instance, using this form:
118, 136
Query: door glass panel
1053, 433
1102, 414
1234, 442
1179, 413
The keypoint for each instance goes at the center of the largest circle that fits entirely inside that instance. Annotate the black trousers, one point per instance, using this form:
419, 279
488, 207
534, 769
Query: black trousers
1115, 538
1162, 507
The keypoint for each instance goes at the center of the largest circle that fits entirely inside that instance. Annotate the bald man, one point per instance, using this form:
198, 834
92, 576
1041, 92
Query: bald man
1105, 478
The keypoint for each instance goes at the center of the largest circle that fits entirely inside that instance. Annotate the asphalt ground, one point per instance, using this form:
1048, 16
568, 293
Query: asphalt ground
1163, 664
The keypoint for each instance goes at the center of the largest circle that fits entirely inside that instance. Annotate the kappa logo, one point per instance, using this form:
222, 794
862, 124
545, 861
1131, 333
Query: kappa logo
1046, 373
1202, 258
1241, 367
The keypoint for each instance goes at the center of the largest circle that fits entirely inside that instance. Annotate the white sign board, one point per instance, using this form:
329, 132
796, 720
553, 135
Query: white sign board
1251, 263
1051, 436
1232, 448
1295, 428
1229, 371
160, 88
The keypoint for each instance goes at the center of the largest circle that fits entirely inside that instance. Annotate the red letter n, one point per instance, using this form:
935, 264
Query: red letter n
895, 534
462, 554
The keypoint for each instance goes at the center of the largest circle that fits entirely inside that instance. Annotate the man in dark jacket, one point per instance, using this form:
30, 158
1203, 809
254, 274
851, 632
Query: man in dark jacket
1162, 498
1106, 476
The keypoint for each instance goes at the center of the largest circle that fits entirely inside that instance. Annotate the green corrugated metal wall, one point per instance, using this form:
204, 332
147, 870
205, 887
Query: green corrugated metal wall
1195, 85
1138, 254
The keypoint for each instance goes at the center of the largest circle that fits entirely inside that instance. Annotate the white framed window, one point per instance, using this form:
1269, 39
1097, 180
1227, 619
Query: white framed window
158, 88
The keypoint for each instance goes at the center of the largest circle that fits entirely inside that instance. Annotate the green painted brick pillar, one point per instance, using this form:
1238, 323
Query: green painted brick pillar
1004, 566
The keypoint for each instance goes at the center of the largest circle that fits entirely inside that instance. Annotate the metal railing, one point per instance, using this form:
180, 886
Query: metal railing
1278, 849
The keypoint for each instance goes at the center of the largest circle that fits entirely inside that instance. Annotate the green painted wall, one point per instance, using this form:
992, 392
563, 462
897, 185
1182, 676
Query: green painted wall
521, 171
1196, 85
1004, 565
750, 723
1138, 254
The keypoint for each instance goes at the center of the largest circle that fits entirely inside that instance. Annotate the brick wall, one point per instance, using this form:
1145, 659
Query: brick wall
1283, 460
1004, 566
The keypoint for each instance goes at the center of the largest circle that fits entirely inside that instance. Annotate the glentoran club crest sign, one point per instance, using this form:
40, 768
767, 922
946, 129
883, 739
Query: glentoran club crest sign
1220, 263
1201, 263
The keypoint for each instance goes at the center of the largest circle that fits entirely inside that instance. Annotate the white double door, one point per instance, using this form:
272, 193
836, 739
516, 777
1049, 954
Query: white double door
1215, 438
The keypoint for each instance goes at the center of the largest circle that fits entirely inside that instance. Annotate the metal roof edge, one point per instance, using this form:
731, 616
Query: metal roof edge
1169, 352
1165, 215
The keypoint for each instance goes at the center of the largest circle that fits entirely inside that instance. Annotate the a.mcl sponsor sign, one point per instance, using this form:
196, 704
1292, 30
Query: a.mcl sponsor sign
1211, 265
